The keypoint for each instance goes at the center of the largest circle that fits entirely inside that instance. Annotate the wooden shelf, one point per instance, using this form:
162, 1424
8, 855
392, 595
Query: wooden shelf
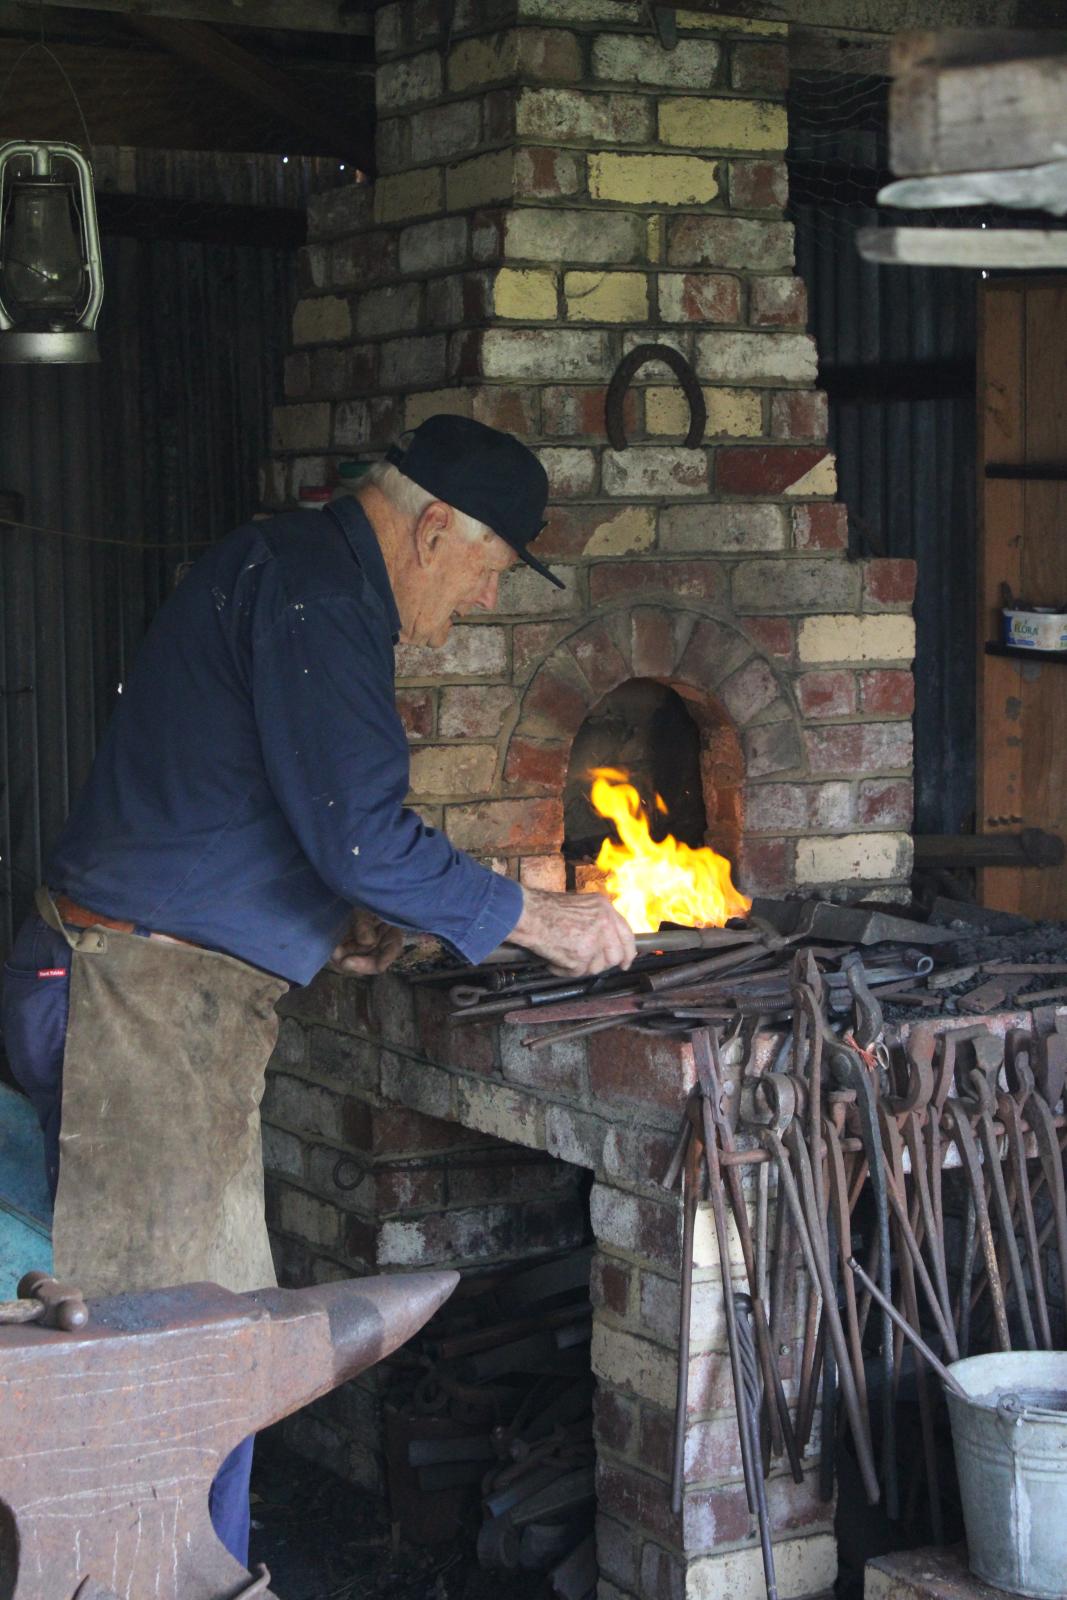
1034, 471
1026, 655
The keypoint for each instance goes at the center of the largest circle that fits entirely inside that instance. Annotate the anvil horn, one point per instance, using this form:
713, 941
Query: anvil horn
367, 1322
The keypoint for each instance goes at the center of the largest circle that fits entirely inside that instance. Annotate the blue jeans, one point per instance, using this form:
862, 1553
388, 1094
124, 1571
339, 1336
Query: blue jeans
35, 1002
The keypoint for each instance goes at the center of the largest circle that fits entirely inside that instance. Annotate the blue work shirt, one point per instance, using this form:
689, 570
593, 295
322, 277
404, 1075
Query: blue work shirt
249, 789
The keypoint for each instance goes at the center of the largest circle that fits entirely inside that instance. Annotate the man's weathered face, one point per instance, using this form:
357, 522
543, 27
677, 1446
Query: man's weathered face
454, 576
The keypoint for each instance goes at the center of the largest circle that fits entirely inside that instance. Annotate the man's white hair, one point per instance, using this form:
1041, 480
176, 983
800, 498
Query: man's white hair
411, 499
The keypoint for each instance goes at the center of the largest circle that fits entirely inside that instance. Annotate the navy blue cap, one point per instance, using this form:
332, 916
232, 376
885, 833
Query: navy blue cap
489, 474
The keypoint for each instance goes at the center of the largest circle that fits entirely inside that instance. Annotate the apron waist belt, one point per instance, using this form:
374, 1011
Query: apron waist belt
80, 917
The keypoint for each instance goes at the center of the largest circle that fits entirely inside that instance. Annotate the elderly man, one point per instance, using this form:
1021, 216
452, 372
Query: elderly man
242, 825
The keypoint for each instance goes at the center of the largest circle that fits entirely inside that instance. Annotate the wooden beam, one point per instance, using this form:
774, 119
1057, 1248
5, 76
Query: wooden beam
298, 16
980, 117
257, 81
1014, 249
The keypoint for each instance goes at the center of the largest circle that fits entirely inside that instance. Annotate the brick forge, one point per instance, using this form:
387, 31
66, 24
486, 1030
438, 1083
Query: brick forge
555, 188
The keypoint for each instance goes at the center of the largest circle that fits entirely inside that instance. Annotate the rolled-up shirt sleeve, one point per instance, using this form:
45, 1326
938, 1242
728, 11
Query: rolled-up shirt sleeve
336, 757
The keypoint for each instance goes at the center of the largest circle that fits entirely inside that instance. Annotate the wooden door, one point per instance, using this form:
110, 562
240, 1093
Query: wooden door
1022, 704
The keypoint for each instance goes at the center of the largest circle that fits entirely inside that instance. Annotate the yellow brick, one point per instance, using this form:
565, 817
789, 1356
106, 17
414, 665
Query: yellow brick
474, 62
732, 413
822, 479
848, 856
718, 24
606, 296
322, 320
481, 181
634, 1364
803, 1566
843, 637
718, 124
407, 194
417, 407
623, 534
526, 294
652, 180
655, 239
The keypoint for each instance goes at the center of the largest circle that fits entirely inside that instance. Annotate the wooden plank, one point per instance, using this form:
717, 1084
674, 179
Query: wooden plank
303, 16
257, 81
975, 118
1042, 188
1001, 437
1025, 249
969, 47
1044, 579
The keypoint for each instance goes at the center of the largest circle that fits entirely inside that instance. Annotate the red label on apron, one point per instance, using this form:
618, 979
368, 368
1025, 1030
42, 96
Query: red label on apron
51, 972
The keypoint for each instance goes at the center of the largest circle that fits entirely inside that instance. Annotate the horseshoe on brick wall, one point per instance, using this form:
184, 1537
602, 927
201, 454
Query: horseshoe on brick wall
624, 375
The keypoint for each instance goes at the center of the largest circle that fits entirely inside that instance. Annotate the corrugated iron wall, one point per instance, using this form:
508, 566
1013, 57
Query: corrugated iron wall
159, 445
897, 350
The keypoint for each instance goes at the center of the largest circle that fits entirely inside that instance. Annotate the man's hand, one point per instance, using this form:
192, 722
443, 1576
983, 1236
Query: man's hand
577, 934
369, 945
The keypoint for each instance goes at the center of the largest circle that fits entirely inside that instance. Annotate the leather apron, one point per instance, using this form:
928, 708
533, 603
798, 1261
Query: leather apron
160, 1154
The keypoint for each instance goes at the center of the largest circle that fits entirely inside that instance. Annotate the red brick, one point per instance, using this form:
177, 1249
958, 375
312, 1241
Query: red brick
544, 174
766, 866
416, 711
596, 651
557, 700
513, 410
477, 296
820, 527
572, 410
499, 108
713, 651
662, 1575
656, 1439
889, 582
474, 711
712, 1450
399, 1131
859, 747
408, 1188
763, 469
640, 1501
886, 693
758, 185
826, 694
568, 531
778, 303
487, 235
536, 764
506, 826
691, 580
772, 635
799, 414
363, 259
472, 1049
531, 642
609, 1285
642, 1068
700, 297
759, 68
653, 647
614, 1420
885, 804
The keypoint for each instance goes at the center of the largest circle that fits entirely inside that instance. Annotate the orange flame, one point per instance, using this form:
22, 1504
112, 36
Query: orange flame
654, 881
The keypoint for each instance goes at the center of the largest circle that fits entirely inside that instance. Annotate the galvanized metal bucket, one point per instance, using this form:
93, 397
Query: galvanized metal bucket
1010, 1436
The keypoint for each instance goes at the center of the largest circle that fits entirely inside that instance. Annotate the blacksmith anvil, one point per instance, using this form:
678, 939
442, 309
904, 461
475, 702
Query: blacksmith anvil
110, 1435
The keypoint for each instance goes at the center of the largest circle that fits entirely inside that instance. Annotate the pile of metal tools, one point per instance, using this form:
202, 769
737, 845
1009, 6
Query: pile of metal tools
683, 978
494, 1405
852, 1123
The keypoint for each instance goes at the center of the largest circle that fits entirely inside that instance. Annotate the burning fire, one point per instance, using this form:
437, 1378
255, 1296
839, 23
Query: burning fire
656, 881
